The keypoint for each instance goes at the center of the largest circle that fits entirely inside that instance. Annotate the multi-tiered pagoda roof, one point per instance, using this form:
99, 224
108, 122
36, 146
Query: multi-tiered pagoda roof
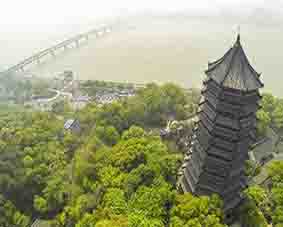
225, 130
233, 70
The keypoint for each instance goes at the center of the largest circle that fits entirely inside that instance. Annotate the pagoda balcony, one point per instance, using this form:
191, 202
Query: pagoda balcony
213, 179
217, 165
223, 144
186, 185
191, 175
208, 188
222, 154
198, 157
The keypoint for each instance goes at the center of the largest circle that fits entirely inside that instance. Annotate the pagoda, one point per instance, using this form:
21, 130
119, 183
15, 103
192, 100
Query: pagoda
224, 131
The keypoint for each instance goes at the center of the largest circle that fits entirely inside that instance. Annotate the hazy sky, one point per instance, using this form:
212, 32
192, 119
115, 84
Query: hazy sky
48, 12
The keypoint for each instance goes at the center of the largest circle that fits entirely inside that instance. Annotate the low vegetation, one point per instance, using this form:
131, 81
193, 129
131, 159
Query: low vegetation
117, 172
271, 113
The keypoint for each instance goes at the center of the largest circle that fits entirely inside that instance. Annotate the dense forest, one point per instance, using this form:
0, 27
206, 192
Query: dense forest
117, 171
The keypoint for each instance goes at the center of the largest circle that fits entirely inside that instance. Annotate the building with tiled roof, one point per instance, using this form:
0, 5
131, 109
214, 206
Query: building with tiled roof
225, 130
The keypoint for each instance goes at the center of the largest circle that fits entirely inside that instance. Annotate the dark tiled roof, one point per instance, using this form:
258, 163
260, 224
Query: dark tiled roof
68, 124
233, 70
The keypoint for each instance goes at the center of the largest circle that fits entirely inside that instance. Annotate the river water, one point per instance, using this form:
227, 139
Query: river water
167, 49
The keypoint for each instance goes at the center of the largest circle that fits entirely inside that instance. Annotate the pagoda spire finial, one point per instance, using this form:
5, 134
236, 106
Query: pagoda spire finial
238, 34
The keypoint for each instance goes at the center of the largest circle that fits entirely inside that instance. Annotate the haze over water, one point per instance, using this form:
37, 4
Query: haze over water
177, 50
152, 48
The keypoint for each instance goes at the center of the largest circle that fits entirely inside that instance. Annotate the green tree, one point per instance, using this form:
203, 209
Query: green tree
257, 195
88, 220
152, 201
115, 221
268, 102
252, 216
197, 211
275, 171
263, 123
133, 132
108, 134
10, 216
111, 177
142, 175
128, 154
139, 219
115, 201
61, 107
277, 115
55, 195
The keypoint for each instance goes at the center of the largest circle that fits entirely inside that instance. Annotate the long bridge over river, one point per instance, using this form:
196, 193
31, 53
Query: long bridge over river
75, 41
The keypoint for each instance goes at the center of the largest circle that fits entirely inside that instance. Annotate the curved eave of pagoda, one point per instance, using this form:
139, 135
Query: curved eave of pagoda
214, 64
243, 91
240, 91
250, 67
227, 62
